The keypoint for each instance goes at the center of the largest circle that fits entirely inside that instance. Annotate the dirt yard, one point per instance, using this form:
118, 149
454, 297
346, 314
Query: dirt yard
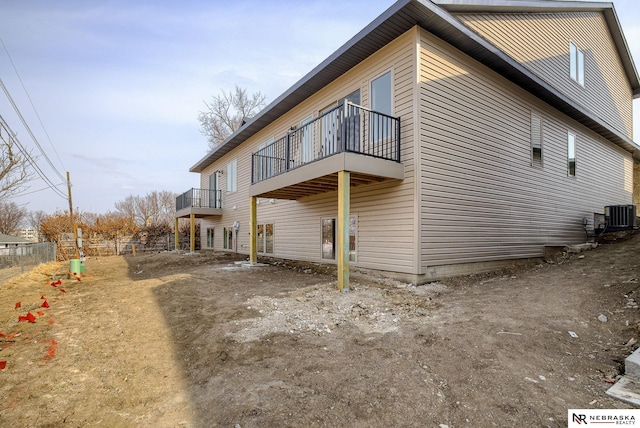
171, 340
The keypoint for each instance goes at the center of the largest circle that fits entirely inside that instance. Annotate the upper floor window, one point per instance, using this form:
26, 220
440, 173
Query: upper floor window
354, 97
381, 94
576, 64
381, 102
232, 176
571, 155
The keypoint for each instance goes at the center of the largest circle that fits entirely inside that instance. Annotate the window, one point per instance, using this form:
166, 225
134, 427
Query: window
265, 238
381, 94
228, 238
576, 64
381, 102
268, 238
571, 155
353, 223
536, 139
329, 238
260, 238
354, 97
232, 176
210, 237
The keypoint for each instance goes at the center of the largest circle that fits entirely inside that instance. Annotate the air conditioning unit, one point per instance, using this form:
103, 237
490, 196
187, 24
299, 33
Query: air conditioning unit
620, 217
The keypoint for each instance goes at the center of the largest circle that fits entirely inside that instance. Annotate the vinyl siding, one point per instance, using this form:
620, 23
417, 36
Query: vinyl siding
481, 198
540, 42
385, 211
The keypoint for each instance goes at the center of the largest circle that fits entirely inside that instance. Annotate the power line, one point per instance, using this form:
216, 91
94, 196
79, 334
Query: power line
32, 105
39, 190
14, 139
24, 122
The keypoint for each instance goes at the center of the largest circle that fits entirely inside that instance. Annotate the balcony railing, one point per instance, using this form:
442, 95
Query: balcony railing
345, 128
199, 198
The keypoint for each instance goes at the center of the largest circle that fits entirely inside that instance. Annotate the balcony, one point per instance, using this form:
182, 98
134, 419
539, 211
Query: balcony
200, 202
306, 161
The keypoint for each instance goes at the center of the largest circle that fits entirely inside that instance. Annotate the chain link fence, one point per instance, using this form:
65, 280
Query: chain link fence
27, 256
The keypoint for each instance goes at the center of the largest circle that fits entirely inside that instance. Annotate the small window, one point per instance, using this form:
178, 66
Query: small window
260, 238
536, 139
228, 238
571, 155
576, 64
329, 238
268, 238
353, 228
232, 176
210, 236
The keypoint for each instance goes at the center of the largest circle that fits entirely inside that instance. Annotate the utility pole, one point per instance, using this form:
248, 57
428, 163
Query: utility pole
73, 225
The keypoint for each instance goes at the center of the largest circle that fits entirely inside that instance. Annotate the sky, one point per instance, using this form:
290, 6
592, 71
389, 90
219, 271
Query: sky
117, 84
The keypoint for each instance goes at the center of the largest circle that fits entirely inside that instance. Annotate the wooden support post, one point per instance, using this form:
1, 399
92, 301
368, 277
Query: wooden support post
177, 233
253, 230
192, 236
74, 226
344, 196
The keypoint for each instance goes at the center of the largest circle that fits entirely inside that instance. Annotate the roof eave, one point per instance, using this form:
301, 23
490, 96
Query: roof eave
505, 6
348, 55
468, 41
437, 19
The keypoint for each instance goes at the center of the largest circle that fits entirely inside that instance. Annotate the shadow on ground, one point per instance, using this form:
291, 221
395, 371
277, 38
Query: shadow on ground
486, 350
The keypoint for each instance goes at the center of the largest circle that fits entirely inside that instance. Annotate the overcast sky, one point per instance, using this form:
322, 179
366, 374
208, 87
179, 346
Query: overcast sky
118, 84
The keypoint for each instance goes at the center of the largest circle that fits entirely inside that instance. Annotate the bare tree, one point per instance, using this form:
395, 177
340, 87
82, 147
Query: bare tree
35, 219
11, 217
157, 207
127, 208
225, 113
167, 212
14, 166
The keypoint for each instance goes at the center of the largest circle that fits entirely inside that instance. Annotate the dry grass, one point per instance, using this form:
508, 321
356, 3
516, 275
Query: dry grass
43, 272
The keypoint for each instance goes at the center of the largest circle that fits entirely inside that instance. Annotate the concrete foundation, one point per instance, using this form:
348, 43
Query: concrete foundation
627, 389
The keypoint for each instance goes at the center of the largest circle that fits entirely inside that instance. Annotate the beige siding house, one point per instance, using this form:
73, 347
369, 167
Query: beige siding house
444, 138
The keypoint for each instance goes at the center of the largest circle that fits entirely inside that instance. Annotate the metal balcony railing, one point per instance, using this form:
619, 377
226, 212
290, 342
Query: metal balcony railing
346, 128
199, 198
